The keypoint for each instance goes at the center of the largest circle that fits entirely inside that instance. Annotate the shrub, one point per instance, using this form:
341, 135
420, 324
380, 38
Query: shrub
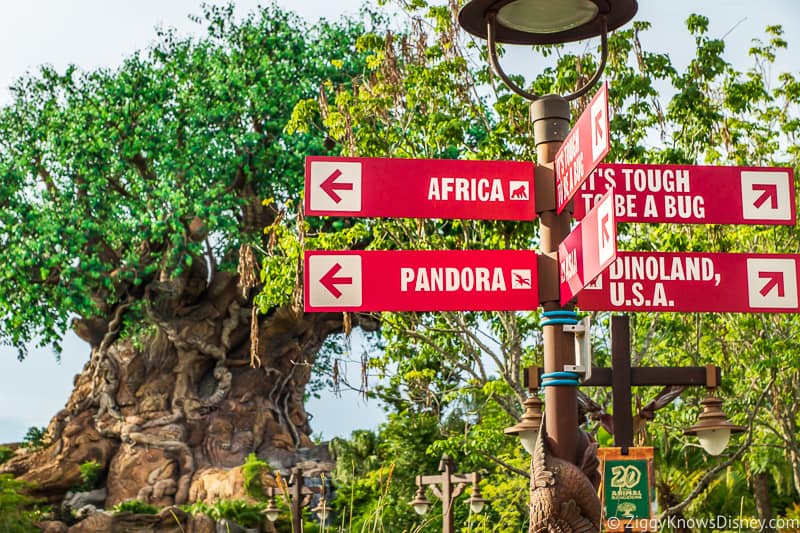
243, 513
15, 513
135, 507
91, 472
253, 471
6, 453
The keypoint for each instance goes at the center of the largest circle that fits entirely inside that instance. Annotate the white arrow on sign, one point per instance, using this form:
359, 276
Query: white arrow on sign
335, 280
599, 131
772, 283
766, 195
606, 234
335, 186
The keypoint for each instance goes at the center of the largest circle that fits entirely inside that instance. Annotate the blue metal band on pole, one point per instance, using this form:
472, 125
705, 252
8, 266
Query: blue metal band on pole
565, 382
558, 321
568, 375
551, 379
559, 317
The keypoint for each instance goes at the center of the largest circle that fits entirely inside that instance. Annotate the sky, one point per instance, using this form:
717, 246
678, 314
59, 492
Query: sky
101, 33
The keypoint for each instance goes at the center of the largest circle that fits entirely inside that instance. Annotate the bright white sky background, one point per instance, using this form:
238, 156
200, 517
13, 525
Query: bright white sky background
100, 33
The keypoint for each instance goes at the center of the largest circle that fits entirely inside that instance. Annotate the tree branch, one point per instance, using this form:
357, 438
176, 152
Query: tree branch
505, 465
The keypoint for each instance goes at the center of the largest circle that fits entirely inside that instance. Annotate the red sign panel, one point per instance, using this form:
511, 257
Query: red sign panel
693, 194
400, 280
419, 188
589, 249
702, 282
585, 146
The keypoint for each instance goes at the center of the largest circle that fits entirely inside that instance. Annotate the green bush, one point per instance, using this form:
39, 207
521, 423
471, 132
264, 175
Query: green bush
91, 472
243, 513
253, 471
16, 515
135, 507
6, 453
196, 508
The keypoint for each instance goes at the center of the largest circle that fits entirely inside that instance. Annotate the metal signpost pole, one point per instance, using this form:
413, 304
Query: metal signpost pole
550, 117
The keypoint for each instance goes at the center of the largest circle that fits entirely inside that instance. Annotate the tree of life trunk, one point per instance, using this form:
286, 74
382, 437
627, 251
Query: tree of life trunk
186, 398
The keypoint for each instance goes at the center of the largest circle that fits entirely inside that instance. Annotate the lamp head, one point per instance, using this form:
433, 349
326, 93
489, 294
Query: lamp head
528, 427
272, 510
545, 21
420, 503
476, 501
322, 510
713, 429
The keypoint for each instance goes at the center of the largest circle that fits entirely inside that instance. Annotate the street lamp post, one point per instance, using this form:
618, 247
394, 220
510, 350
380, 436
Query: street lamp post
299, 496
548, 22
447, 486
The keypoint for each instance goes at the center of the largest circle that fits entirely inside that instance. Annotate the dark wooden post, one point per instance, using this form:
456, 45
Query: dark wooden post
297, 500
621, 381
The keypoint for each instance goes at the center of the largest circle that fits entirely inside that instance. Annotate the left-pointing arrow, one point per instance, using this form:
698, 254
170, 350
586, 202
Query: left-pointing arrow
330, 186
330, 281
775, 280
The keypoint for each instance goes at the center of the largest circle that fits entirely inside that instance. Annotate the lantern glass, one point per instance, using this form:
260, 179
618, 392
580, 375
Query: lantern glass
421, 508
477, 506
714, 441
546, 16
528, 439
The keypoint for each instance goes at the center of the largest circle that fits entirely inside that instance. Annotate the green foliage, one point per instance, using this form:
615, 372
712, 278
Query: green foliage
197, 508
91, 474
35, 438
115, 181
6, 453
16, 514
241, 512
135, 507
253, 471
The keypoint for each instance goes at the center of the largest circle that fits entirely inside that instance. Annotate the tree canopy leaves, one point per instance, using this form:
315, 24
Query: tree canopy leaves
118, 178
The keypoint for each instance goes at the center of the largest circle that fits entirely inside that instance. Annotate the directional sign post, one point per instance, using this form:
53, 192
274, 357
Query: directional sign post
589, 249
419, 188
401, 280
583, 149
696, 282
693, 194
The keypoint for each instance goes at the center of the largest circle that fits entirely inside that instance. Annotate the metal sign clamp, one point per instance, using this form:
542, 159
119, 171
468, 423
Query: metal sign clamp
583, 348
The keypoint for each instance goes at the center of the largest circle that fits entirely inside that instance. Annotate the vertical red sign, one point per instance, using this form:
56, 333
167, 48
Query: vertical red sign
584, 148
589, 249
